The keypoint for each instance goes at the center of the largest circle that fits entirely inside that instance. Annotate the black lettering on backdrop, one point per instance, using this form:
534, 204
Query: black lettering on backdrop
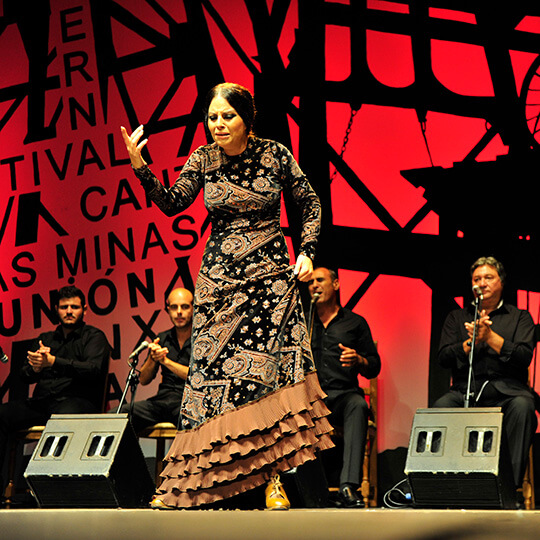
182, 273
35, 167
60, 171
29, 211
135, 285
116, 342
124, 196
184, 232
3, 284
129, 198
152, 231
114, 161
89, 115
114, 392
147, 327
114, 242
80, 259
67, 22
93, 292
39, 306
97, 252
89, 156
206, 224
12, 169
28, 270
16, 319
5, 219
76, 61
84, 203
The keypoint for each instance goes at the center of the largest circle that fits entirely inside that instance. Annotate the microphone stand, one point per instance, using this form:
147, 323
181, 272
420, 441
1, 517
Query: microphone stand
132, 382
471, 352
311, 316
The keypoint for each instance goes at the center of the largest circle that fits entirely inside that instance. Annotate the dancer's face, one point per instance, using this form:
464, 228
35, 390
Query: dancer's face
227, 127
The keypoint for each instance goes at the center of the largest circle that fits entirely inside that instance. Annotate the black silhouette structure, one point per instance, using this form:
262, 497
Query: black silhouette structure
300, 90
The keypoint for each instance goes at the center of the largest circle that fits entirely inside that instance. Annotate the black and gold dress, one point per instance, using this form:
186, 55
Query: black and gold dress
252, 405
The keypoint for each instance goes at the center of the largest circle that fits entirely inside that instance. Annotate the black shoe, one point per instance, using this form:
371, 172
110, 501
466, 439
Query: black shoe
349, 497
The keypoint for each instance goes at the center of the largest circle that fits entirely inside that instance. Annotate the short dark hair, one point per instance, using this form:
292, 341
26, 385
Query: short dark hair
238, 97
333, 273
490, 261
70, 291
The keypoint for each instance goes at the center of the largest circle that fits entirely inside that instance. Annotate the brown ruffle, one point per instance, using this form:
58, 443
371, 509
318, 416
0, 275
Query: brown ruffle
240, 449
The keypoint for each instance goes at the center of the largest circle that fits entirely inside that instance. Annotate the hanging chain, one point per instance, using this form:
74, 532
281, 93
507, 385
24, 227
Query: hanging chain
345, 140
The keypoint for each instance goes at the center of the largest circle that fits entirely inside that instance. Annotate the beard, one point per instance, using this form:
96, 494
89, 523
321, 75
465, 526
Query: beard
71, 323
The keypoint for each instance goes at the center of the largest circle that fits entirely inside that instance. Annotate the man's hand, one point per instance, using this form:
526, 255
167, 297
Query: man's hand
41, 358
349, 357
483, 327
484, 333
157, 353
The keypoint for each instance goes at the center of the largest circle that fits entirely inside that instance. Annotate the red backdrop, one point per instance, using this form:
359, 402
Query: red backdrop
71, 210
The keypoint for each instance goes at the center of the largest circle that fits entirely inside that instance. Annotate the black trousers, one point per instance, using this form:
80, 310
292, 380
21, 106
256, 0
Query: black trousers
21, 414
519, 422
350, 411
159, 408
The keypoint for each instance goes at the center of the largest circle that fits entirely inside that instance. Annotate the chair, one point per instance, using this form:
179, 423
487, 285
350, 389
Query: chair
527, 487
23, 436
368, 486
369, 477
28, 435
161, 432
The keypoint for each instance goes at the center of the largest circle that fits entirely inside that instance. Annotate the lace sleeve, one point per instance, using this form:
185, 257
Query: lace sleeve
307, 200
182, 193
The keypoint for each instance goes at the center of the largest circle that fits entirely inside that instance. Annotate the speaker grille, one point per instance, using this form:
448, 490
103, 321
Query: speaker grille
466, 490
457, 458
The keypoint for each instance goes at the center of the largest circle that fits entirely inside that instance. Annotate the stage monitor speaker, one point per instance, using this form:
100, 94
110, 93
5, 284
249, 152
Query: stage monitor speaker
89, 460
458, 458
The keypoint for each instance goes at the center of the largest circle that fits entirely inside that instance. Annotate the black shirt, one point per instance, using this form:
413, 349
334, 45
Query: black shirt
80, 367
514, 325
171, 382
351, 330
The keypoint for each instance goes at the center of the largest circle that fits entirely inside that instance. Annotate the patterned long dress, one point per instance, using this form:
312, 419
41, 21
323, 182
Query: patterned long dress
252, 405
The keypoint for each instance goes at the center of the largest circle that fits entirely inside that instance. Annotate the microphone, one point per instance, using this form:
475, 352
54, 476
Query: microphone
3, 357
315, 297
140, 348
478, 292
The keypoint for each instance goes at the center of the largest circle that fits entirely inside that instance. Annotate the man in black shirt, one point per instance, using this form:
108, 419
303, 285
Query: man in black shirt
343, 348
171, 351
503, 351
69, 366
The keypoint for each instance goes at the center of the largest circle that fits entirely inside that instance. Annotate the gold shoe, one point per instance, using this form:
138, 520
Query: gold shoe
276, 498
160, 505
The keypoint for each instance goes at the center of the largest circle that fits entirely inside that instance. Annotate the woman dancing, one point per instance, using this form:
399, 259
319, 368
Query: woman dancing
252, 406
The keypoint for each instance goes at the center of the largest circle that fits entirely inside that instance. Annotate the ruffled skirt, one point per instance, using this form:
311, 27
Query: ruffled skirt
242, 448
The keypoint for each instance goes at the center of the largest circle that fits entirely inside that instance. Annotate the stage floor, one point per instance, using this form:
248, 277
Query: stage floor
312, 524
